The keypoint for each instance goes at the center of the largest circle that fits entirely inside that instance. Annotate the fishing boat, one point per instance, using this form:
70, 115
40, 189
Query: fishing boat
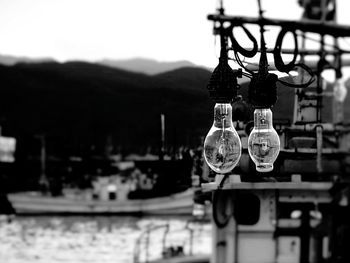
140, 188
37, 203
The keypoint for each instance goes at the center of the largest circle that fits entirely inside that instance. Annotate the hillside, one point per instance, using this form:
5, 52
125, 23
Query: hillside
143, 65
82, 107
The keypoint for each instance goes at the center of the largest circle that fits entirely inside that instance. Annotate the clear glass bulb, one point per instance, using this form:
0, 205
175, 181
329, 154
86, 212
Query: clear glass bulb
263, 141
222, 146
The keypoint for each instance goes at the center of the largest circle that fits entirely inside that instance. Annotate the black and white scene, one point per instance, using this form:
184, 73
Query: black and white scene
163, 131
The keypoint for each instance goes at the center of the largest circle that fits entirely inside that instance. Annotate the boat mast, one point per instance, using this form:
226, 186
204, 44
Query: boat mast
43, 182
338, 105
162, 137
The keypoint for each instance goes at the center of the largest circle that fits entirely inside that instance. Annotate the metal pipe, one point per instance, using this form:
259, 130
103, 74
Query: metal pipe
319, 142
323, 28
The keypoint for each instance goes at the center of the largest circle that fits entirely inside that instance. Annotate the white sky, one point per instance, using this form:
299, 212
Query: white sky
165, 30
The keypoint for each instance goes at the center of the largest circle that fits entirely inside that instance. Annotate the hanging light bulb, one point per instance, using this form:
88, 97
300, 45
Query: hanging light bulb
222, 145
263, 141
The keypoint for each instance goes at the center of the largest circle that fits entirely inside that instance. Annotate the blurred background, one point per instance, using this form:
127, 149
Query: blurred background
104, 100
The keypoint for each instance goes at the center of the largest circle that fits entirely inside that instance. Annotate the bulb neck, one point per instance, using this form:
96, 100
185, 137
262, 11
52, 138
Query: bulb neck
263, 118
222, 115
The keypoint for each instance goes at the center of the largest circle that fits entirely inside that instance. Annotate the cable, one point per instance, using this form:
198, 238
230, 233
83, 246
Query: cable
247, 75
302, 85
282, 67
277, 54
240, 63
238, 48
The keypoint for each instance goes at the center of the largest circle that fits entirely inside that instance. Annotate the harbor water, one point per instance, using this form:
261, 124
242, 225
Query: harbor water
102, 239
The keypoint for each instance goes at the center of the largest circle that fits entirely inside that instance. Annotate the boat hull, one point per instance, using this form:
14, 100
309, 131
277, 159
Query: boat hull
34, 203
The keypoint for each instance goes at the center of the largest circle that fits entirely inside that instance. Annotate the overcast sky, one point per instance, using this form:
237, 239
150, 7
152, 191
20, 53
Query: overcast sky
165, 30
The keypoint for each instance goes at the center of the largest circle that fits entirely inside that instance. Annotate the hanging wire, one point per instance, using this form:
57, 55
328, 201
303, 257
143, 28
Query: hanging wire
302, 85
280, 66
238, 48
245, 62
277, 53
240, 63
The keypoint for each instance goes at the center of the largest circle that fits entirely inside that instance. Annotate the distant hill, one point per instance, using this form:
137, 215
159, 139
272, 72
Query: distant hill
146, 66
12, 60
137, 65
83, 107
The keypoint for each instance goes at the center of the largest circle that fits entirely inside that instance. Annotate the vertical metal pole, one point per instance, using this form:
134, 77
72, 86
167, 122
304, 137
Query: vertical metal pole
305, 236
162, 128
43, 178
147, 243
338, 106
319, 70
191, 242
319, 145
302, 76
43, 156
300, 73
164, 238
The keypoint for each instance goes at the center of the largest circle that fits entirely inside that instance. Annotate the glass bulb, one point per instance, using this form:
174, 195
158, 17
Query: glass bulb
263, 141
222, 146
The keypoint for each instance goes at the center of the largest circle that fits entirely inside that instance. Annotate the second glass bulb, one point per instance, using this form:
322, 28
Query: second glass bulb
263, 141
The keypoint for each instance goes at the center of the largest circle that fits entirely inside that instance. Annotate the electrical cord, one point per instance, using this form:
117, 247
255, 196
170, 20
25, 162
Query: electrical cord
277, 52
278, 61
240, 63
238, 48
302, 85
282, 67
247, 75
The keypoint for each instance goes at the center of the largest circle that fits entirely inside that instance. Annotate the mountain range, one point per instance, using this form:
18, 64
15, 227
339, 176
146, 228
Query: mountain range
79, 105
138, 65
147, 66
85, 107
